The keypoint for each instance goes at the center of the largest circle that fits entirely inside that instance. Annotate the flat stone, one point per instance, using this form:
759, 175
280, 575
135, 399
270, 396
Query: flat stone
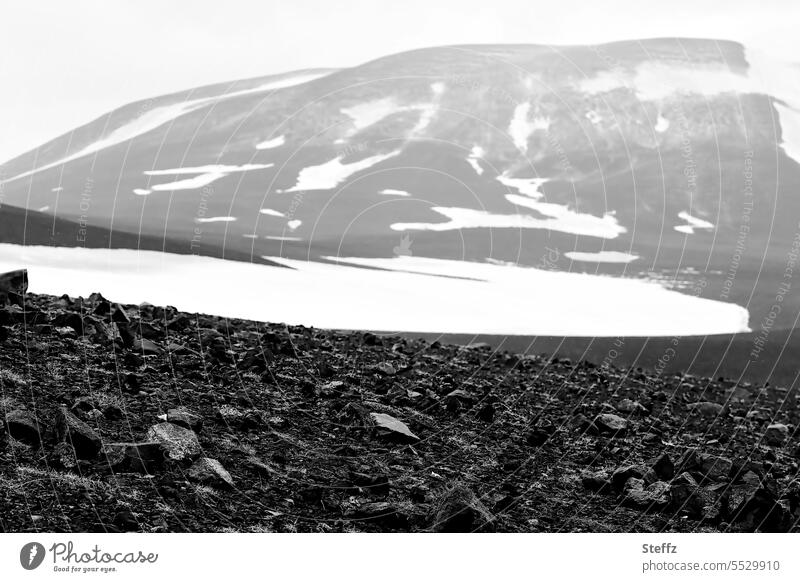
180, 443
389, 427
210, 472
611, 423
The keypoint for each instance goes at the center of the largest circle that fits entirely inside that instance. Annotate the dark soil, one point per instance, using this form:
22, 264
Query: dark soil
289, 429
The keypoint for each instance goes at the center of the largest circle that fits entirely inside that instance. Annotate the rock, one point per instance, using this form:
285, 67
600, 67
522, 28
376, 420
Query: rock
663, 467
598, 481
387, 426
384, 368
147, 347
230, 416
682, 489
210, 472
621, 476
184, 418
611, 424
234, 418
539, 435
126, 521
706, 466
71, 429
180, 443
629, 406
486, 413
13, 283
776, 434
653, 497
458, 510
23, 426
755, 508
707, 409
457, 400
145, 457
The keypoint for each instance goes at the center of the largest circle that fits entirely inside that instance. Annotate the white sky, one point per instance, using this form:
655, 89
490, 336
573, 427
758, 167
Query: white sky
65, 63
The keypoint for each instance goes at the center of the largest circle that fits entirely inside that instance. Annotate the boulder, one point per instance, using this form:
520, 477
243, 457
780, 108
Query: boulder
24, 427
180, 443
71, 429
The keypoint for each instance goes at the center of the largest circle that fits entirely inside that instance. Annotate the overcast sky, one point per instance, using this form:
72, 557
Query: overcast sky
64, 63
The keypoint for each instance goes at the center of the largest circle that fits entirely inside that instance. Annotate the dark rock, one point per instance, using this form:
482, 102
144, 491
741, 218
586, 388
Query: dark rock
71, 429
663, 467
776, 434
458, 510
13, 283
755, 509
707, 409
628, 406
210, 472
620, 476
384, 368
486, 413
184, 418
145, 457
126, 521
598, 481
180, 443
147, 347
654, 497
611, 424
24, 427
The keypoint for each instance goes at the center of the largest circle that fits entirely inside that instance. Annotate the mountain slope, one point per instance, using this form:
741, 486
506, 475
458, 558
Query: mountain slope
675, 157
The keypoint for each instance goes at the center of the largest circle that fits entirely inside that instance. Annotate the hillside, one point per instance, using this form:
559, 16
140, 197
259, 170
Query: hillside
143, 418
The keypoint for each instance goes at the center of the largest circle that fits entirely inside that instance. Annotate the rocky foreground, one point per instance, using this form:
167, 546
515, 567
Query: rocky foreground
143, 418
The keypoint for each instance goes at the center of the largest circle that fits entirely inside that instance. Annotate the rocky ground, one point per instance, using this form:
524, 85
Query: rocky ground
142, 418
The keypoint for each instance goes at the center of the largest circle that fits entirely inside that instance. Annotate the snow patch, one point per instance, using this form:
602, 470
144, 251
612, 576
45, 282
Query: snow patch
271, 143
425, 295
216, 219
392, 192
294, 224
141, 191
206, 175
662, 124
366, 114
601, 257
693, 224
271, 212
329, 175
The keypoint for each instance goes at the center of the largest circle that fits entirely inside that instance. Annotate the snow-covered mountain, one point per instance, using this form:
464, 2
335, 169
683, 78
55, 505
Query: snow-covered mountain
673, 161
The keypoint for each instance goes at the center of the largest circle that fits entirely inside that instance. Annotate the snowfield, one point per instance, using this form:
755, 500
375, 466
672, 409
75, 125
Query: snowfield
404, 293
